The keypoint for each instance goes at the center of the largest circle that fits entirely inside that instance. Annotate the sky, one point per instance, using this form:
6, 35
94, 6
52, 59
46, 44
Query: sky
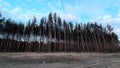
100, 11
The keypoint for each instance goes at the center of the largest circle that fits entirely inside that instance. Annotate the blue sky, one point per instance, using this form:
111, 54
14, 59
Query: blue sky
101, 11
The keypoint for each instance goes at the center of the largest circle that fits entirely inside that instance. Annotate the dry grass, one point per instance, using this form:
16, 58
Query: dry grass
59, 60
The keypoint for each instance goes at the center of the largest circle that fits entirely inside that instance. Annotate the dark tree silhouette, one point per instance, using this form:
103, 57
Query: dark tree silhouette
53, 34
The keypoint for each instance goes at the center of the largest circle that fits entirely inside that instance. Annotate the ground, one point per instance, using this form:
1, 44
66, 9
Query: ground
59, 60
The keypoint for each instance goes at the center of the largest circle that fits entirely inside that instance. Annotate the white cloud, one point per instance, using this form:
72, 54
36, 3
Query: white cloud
70, 17
107, 19
29, 14
118, 15
52, 8
16, 10
4, 4
117, 31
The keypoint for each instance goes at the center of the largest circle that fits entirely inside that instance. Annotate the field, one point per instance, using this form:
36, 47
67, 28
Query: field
59, 60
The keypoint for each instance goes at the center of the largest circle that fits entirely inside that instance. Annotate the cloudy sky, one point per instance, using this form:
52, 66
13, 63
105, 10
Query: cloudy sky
101, 11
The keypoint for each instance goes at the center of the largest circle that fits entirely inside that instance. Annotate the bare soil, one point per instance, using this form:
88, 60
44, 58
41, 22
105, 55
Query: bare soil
59, 60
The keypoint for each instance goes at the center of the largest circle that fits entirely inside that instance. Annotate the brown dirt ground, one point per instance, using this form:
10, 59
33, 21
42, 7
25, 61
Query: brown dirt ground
59, 60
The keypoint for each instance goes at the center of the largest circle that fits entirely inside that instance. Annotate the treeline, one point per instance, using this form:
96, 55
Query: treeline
52, 34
